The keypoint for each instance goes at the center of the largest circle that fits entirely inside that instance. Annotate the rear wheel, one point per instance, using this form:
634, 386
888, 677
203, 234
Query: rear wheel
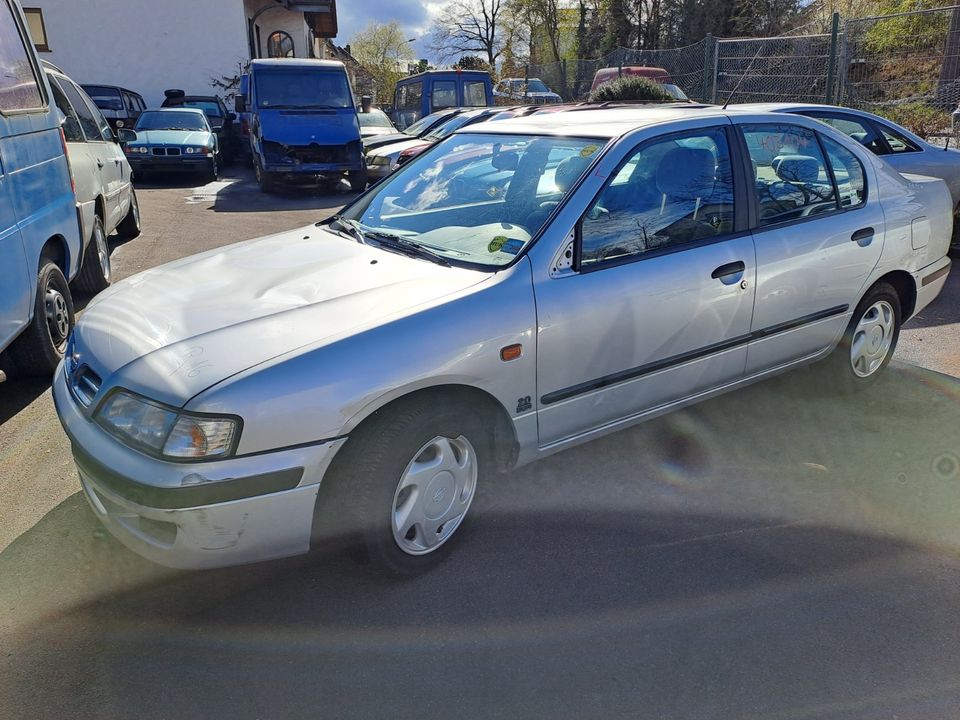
129, 227
40, 347
95, 271
869, 341
406, 481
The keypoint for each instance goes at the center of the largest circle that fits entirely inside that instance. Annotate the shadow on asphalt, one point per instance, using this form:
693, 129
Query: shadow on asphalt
775, 552
945, 310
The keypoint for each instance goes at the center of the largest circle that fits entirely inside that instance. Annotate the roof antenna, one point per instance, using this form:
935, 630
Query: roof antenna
740, 81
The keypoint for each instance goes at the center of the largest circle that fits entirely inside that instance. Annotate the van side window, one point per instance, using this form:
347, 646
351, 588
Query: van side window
790, 175
71, 125
87, 121
474, 94
19, 89
444, 94
413, 96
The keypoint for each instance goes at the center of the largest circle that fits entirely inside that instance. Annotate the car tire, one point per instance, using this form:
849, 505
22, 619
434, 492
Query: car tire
95, 273
954, 249
212, 171
129, 227
869, 342
358, 180
40, 347
402, 486
265, 180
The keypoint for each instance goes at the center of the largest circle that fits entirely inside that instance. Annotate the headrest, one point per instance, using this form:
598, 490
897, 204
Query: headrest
687, 173
797, 168
568, 171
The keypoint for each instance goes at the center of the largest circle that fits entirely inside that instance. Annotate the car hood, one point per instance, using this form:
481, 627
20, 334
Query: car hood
308, 127
380, 141
395, 148
171, 332
173, 137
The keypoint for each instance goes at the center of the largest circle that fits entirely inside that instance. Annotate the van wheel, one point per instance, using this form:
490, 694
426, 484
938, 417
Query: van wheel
403, 484
95, 271
358, 180
129, 227
40, 348
264, 179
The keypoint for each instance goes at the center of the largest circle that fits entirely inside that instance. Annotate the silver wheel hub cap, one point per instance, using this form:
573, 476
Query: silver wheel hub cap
434, 494
58, 318
872, 339
103, 252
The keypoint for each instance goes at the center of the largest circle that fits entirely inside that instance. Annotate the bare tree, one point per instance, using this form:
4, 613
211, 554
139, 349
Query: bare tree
471, 26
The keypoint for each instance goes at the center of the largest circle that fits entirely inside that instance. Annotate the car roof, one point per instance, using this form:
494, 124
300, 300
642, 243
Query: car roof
192, 111
296, 62
590, 121
103, 85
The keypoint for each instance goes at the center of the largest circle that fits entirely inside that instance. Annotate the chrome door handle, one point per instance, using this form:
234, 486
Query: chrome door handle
863, 236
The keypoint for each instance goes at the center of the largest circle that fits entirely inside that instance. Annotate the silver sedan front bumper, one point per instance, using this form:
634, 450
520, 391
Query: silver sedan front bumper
196, 515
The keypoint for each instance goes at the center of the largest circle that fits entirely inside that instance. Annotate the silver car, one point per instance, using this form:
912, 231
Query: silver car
521, 287
903, 150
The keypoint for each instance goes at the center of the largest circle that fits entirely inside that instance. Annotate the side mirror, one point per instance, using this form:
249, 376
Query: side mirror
126, 135
240, 104
231, 117
388, 109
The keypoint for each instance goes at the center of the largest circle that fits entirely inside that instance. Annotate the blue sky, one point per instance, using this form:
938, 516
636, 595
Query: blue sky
413, 15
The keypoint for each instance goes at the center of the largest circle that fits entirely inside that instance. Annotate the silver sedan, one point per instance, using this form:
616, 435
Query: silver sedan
902, 150
521, 287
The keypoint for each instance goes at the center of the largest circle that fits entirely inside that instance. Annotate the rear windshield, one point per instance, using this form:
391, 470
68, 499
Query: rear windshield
106, 98
302, 89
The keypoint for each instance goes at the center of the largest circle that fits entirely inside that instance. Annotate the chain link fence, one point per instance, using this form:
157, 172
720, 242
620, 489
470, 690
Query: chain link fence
905, 66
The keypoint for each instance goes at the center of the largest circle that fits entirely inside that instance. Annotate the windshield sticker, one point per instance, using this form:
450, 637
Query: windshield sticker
496, 243
512, 246
588, 151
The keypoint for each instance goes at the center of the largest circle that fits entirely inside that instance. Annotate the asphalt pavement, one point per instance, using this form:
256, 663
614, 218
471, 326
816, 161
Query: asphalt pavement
773, 553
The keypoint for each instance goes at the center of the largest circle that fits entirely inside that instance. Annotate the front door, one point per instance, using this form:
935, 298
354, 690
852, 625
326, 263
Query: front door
658, 304
819, 236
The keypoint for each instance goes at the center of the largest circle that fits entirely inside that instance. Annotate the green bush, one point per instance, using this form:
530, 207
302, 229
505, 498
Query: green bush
632, 89
918, 118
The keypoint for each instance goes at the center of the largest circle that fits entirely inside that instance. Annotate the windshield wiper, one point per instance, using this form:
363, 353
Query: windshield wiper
408, 247
349, 226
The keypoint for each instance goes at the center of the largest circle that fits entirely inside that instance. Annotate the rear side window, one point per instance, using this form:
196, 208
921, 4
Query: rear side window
19, 89
474, 94
71, 125
791, 179
852, 127
444, 94
91, 128
897, 142
848, 172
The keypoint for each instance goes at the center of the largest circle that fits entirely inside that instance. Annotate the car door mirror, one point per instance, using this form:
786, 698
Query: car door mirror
240, 104
231, 117
126, 135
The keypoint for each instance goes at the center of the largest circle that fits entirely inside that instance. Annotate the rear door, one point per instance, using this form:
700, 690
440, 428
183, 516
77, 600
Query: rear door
819, 232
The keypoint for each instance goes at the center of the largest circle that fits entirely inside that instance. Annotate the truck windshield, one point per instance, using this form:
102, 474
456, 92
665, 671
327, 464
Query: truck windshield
302, 89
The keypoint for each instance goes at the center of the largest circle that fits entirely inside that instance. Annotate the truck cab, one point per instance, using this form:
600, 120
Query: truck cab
302, 122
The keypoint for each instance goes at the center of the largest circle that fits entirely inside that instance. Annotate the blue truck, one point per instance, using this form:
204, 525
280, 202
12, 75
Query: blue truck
303, 123
420, 95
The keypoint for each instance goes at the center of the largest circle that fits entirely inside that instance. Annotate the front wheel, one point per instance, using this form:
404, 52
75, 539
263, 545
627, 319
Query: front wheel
212, 172
358, 180
40, 347
265, 180
408, 480
870, 339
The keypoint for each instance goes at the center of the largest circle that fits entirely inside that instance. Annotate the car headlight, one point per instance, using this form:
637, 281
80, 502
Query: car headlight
378, 160
198, 151
136, 149
162, 430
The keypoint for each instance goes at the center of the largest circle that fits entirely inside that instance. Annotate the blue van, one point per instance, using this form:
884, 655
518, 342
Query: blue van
420, 95
303, 122
40, 246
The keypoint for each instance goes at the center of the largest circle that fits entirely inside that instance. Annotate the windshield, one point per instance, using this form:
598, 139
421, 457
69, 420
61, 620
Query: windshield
171, 120
106, 98
424, 124
533, 85
476, 198
677, 93
211, 108
374, 118
302, 89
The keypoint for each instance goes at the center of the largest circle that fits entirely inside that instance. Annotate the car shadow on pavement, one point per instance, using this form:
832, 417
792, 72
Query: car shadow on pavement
778, 548
945, 310
18, 391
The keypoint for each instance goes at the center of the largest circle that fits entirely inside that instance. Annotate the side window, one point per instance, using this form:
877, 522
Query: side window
474, 94
791, 180
848, 173
678, 190
129, 103
862, 132
71, 124
414, 95
444, 94
19, 89
897, 142
91, 128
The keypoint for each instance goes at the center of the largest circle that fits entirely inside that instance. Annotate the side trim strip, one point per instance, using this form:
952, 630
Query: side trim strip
640, 370
934, 276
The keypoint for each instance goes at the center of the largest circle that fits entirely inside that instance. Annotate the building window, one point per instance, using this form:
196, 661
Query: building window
280, 45
38, 31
